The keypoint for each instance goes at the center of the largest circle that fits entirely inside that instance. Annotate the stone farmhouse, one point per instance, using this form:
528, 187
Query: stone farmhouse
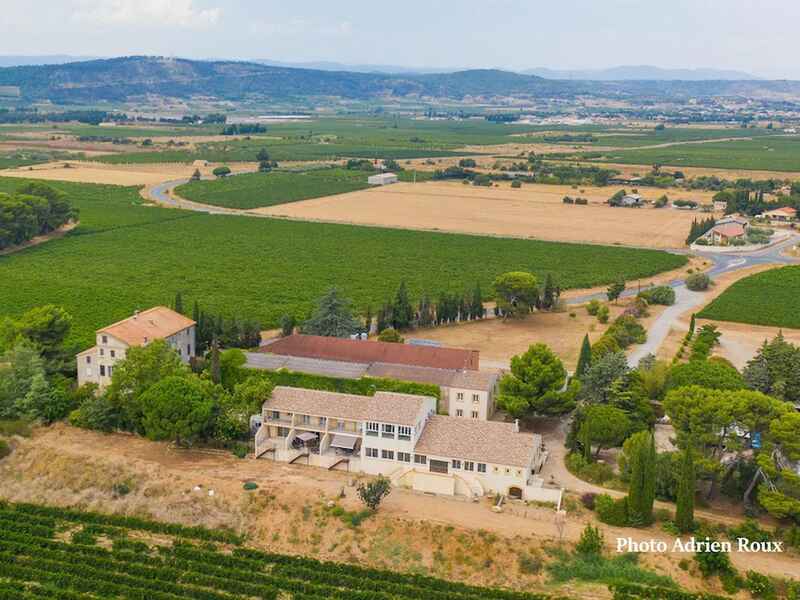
401, 437
467, 391
96, 365
785, 214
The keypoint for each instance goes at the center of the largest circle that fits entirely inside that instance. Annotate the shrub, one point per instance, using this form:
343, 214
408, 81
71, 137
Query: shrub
626, 330
588, 499
760, 586
591, 542
662, 294
593, 307
240, 450
713, 563
568, 200
516, 183
13, 427
250, 486
581, 201
603, 314
373, 493
611, 511
5, 449
121, 489
529, 563
592, 472
698, 282
751, 530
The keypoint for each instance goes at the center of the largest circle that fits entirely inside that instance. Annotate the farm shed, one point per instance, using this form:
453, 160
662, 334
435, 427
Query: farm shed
382, 179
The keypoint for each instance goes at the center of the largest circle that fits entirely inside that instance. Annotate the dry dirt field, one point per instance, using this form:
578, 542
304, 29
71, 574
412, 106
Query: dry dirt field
534, 211
94, 172
444, 537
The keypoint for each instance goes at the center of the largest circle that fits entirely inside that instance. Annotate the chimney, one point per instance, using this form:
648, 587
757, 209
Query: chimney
516, 425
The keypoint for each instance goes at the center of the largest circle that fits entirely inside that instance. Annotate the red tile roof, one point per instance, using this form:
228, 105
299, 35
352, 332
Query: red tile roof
729, 230
361, 351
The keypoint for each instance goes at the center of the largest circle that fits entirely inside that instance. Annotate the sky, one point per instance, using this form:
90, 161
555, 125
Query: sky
758, 37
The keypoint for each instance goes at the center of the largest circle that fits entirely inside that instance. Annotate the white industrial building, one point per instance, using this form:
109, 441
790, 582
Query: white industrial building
382, 179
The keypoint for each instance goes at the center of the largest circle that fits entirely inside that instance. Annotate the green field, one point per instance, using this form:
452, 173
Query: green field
125, 256
635, 137
768, 298
254, 190
57, 553
775, 153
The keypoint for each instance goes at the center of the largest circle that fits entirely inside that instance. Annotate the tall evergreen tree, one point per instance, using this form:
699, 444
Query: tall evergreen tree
333, 317
684, 514
178, 305
215, 367
426, 315
642, 489
196, 313
585, 436
403, 312
477, 302
692, 325
585, 358
368, 319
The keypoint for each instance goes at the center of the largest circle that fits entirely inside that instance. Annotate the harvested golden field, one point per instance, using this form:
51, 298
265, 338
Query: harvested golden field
93, 172
730, 174
533, 211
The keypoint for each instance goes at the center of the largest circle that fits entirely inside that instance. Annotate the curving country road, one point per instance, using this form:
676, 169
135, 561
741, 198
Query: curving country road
685, 299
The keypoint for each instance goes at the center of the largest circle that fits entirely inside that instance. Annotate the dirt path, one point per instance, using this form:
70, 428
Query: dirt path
41, 239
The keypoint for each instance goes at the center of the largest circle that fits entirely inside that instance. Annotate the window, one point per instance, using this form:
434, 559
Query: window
474, 414
282, 432
404, 433
388, 431
387, 454
420, 459
404, 457
113, 354
456, 464
438, 466
276, 414
188, 349
110, 370
475, 398
481, 468
102, 352
372, 452
88, 360
372, 429
460, 396
459, 412
306, 419
105, 339
102, 370
469, 465
322, 421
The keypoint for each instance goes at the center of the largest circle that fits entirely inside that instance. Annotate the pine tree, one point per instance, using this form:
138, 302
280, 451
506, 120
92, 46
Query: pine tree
684, 514
216, 370
178, 306
585, 358
333, 317
642, 488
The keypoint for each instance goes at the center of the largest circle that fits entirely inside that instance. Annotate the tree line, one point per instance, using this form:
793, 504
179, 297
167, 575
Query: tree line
34, 209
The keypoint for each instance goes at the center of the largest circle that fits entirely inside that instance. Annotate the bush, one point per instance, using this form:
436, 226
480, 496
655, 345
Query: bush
568, 200
611, 511
591, 542
581, 201
713, 563
240, 450
516, 183
698, 282
662, 294
760, 586
588, 499
626, 330
592, 472
593, 307
5, 449
121, 489
14, 427
603, 314
250, 486
529, 564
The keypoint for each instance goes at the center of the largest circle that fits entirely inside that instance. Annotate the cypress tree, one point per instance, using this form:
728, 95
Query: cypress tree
368, 319
691, 326
178, 306
477, 302
216, 369
403, 312
684, 514
642, 489
196, 313
585, 358
586, 441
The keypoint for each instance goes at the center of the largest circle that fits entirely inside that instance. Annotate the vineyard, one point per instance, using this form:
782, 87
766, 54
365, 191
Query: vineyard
768, 298
125, 256
254, 190
65, 554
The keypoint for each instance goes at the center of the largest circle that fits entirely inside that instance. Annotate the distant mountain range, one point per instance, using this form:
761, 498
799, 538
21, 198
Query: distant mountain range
120, 79
47, 59
641, 73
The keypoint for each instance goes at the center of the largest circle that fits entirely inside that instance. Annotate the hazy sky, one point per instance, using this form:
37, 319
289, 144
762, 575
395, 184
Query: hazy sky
755, 36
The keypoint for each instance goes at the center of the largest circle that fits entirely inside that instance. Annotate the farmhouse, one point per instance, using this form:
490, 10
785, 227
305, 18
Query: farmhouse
400, 436
467, 392
723, 235
96, 365
784, 214
382, 179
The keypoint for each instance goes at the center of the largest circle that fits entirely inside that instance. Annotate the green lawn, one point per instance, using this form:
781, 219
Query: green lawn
768, 298
125, 256
254, 190
773, 153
